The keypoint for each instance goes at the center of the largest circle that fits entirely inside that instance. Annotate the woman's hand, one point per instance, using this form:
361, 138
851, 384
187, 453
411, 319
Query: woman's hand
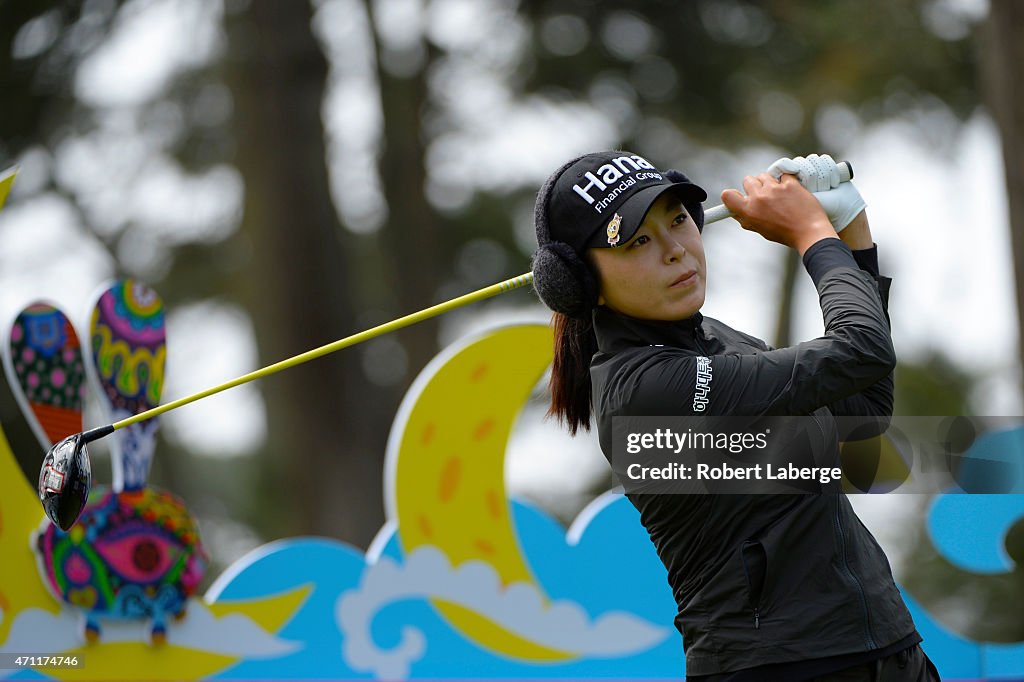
780, 210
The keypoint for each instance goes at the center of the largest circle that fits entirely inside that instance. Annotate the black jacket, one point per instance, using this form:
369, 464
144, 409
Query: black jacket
763, 579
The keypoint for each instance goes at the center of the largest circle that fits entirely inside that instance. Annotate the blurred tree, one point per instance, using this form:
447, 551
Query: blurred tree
1003, 52
409, 238
681, 77
37, 99
298, 283
981, 607
1003, 55
36, 63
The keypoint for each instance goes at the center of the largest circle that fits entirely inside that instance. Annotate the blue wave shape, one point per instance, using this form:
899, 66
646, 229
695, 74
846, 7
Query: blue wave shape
604, 563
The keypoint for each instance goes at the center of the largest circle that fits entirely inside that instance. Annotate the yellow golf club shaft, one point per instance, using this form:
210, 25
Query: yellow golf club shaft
478, 295
713, 214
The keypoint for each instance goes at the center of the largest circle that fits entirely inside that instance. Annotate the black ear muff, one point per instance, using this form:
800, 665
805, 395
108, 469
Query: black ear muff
694, 208
563, 281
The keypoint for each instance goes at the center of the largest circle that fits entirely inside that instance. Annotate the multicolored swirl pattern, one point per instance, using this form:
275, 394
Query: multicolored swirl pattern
130, 555
46, 358
129, 352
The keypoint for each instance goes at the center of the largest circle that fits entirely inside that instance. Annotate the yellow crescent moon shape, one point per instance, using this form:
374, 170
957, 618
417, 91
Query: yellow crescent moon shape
20, 514
444, 479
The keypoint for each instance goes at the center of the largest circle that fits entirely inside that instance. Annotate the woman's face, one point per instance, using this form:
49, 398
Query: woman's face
660, 273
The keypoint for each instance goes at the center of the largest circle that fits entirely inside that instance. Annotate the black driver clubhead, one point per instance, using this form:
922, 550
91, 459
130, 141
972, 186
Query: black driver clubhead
65, 480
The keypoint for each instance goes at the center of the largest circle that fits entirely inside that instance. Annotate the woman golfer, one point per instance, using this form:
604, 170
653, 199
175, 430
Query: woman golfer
768, 587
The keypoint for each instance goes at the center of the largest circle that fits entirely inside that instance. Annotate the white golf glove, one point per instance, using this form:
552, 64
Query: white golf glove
841, 204
820, 175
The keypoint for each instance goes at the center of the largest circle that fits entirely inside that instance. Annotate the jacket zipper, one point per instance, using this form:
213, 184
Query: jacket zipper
697, 336
756, 606
860, 588
869, 639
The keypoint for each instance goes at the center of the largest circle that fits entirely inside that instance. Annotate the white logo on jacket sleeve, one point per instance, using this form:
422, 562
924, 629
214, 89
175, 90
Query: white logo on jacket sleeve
700, 394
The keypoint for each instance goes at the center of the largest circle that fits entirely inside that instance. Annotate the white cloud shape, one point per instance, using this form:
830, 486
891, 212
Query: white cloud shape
231, 635
234, 634
520, 608
35, 629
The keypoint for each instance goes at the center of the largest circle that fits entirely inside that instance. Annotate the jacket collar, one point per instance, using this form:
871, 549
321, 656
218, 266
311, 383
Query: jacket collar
616, 332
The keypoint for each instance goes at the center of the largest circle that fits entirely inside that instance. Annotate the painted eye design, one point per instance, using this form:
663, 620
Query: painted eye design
139, 553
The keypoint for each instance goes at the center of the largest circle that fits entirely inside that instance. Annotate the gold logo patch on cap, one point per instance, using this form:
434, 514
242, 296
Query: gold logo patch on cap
613, 229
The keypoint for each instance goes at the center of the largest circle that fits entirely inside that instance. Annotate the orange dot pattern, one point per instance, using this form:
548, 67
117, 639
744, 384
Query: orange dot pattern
483, 429
449, 479
479, 372
492, 502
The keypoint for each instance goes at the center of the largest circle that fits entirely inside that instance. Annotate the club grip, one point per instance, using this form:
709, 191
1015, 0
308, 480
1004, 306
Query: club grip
716, 213
720, 212
845, 171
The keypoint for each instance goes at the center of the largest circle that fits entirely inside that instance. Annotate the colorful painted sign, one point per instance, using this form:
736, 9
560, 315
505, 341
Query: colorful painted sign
43, 363
132, 555
128, 354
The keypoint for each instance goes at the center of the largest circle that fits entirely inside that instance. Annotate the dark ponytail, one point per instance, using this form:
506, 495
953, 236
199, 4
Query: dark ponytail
567, 285
575, 345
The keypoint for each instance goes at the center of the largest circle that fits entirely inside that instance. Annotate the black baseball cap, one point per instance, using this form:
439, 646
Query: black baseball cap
600, 200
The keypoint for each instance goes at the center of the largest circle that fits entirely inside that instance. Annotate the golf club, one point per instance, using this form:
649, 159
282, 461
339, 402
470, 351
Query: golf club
66, 474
